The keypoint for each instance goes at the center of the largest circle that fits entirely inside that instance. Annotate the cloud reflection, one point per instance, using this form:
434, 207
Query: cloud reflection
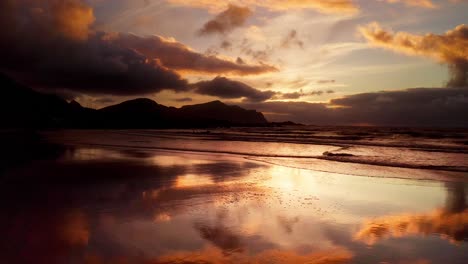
451, 222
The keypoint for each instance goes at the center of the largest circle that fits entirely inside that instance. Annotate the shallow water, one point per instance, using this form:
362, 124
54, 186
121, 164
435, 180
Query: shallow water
443, 150
115, 204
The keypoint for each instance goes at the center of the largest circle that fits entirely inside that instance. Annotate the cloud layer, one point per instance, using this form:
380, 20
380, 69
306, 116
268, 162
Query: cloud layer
417, 3
412, 107
450, 48
329, 6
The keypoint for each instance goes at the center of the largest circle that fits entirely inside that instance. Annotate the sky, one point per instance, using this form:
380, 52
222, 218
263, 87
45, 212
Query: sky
326, 62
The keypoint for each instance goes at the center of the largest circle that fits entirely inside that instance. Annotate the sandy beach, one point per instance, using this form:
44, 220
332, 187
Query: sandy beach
96, 204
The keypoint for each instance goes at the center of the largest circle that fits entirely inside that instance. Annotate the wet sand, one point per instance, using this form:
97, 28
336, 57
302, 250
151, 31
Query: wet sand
97, 204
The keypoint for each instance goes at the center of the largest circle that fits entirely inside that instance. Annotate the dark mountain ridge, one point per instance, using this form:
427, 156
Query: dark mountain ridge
21, 106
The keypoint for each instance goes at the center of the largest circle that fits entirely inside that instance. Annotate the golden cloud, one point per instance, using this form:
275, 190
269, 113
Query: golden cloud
330, 6
417, 3
234, 16
69, 18
450, 48
72, 18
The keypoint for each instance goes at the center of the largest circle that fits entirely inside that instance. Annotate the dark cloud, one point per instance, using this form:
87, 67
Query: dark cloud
55, 48
177, 56
233, 17
412, 107
316, 93
239, 60
450, 48
226, 45
299, 94
183, 99
294, 95
292, 40
104, 100
229, 89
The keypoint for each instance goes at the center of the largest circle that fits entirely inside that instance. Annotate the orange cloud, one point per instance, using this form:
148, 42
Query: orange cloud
68, 18
417, 3
72, 18
234, 16
330, 6
450, 48
451, 226
175, 55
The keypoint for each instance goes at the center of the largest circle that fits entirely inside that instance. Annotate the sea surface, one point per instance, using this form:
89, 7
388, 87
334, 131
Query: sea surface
300, 194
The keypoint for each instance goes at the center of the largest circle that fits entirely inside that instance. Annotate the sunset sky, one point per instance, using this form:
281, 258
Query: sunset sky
286, 58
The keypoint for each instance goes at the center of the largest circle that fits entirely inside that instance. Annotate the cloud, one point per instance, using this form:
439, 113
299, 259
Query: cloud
225, 88
226, 45
412, 107
325, 81
329, 6
294, 95
69, 18
177, 56
292, 40
417, 3
257, 54
55, 48
450, 48
233, 17
228, 89
297, 95
183, 99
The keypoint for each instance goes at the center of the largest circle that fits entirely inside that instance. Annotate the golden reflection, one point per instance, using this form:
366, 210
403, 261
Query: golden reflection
450, 226
191, 180
212, 255
162, 217
162, 160
450, 222
290, 179
74, 230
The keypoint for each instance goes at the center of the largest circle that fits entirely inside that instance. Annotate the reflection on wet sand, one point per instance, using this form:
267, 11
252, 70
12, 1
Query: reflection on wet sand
450, 222
212, 255
215, 256
124, 206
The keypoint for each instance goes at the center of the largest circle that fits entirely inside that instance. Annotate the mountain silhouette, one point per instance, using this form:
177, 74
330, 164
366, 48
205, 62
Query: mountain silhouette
21, 106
